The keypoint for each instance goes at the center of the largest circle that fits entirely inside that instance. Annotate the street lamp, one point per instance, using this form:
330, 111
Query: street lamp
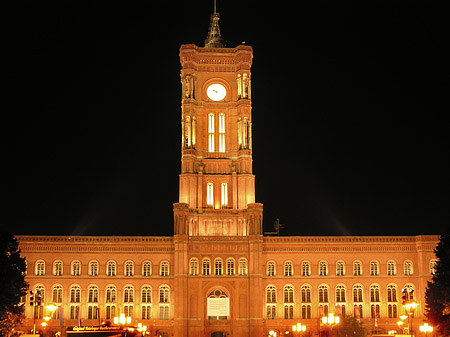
122, 320
426, 328
410, 308
331, 321
299, 328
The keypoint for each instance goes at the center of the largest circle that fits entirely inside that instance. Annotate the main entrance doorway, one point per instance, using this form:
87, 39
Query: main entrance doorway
218, 334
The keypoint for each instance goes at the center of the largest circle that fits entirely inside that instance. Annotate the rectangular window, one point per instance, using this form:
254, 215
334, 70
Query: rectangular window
74, 310
210, 194
146, 312
92, 312
164, 312
271, 312
224, 194
222, 132
289, 311
110, 311
306, 311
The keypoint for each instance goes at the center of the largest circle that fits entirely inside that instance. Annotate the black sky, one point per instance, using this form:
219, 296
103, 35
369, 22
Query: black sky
350, 114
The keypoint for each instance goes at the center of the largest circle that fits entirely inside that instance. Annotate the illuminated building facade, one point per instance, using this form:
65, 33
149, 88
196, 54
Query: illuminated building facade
218, 274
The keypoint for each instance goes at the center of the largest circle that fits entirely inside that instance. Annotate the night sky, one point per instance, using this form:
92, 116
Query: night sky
350, 114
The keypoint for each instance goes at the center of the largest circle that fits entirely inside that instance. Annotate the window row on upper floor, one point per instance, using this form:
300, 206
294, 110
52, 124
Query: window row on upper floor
93, 269
341, 270
218, 267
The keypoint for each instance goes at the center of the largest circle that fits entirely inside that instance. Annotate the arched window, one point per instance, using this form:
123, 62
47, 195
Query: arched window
57, 268
75, 294
211, 132
128, 294
408, 267
76, 268
433, 265
391, 268
206, 267
323, 268
288, 294
224, 194
146, 269
340, 268
271, 294
357, 269
392, 310
164, 294
218, 268
221, 132
306, 268
392, 293
111, 294
146, 294
374, 270
375, 310
40, 268
357, 293
340, 293
230, 267
57, 294
242, 266
210, 194
193, 267
111, 268
306, 293
93, 294
218, 293
129, 268
271, 268
323, 293
164, 269
288, 268
93, 268
374, 293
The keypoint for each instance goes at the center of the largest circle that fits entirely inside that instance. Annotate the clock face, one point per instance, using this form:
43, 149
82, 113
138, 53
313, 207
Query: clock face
216, 92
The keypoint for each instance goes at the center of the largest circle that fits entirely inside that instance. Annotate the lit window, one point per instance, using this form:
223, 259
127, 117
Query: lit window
57, 294
224, 194
374, 293
111, 292
146, 312
375, 311
271, 294
206, 267
357, 293
221, 132
128, 294
306, 294
211, 132
374, 268
111, 268
306, 268
433, 265
57, 268
164, 269
75, 294
306, 311
218, 267
340, 293
340, 268
74, 311
217, 293
271, 268
92, 312
323, 294
163, 312
93, 268
358, 311
323, 268
230, 267
129, 268
408, 268
288, 311
391, 268
288, 268
146, 269
357, 268
40, 268
164, 294
146, 294
128, 310
76, 268
110, 311
194, 267
288, 294
242, 266
392, 293
210, 194
392, 310
93, 294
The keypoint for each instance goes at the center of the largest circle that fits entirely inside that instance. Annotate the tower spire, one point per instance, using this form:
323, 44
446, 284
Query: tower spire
214, 40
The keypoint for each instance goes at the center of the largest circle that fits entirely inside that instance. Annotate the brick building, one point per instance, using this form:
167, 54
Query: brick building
218, 274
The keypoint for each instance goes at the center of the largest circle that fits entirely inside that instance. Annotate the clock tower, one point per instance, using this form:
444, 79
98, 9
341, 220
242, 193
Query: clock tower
216, 184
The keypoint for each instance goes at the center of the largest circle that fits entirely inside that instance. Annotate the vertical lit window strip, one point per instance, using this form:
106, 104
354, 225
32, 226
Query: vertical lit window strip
222, 132
211, 132
210, 194
224, 190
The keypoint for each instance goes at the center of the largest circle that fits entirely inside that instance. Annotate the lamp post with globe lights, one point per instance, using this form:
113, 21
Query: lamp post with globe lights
331, 320
299, 327
426, 328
